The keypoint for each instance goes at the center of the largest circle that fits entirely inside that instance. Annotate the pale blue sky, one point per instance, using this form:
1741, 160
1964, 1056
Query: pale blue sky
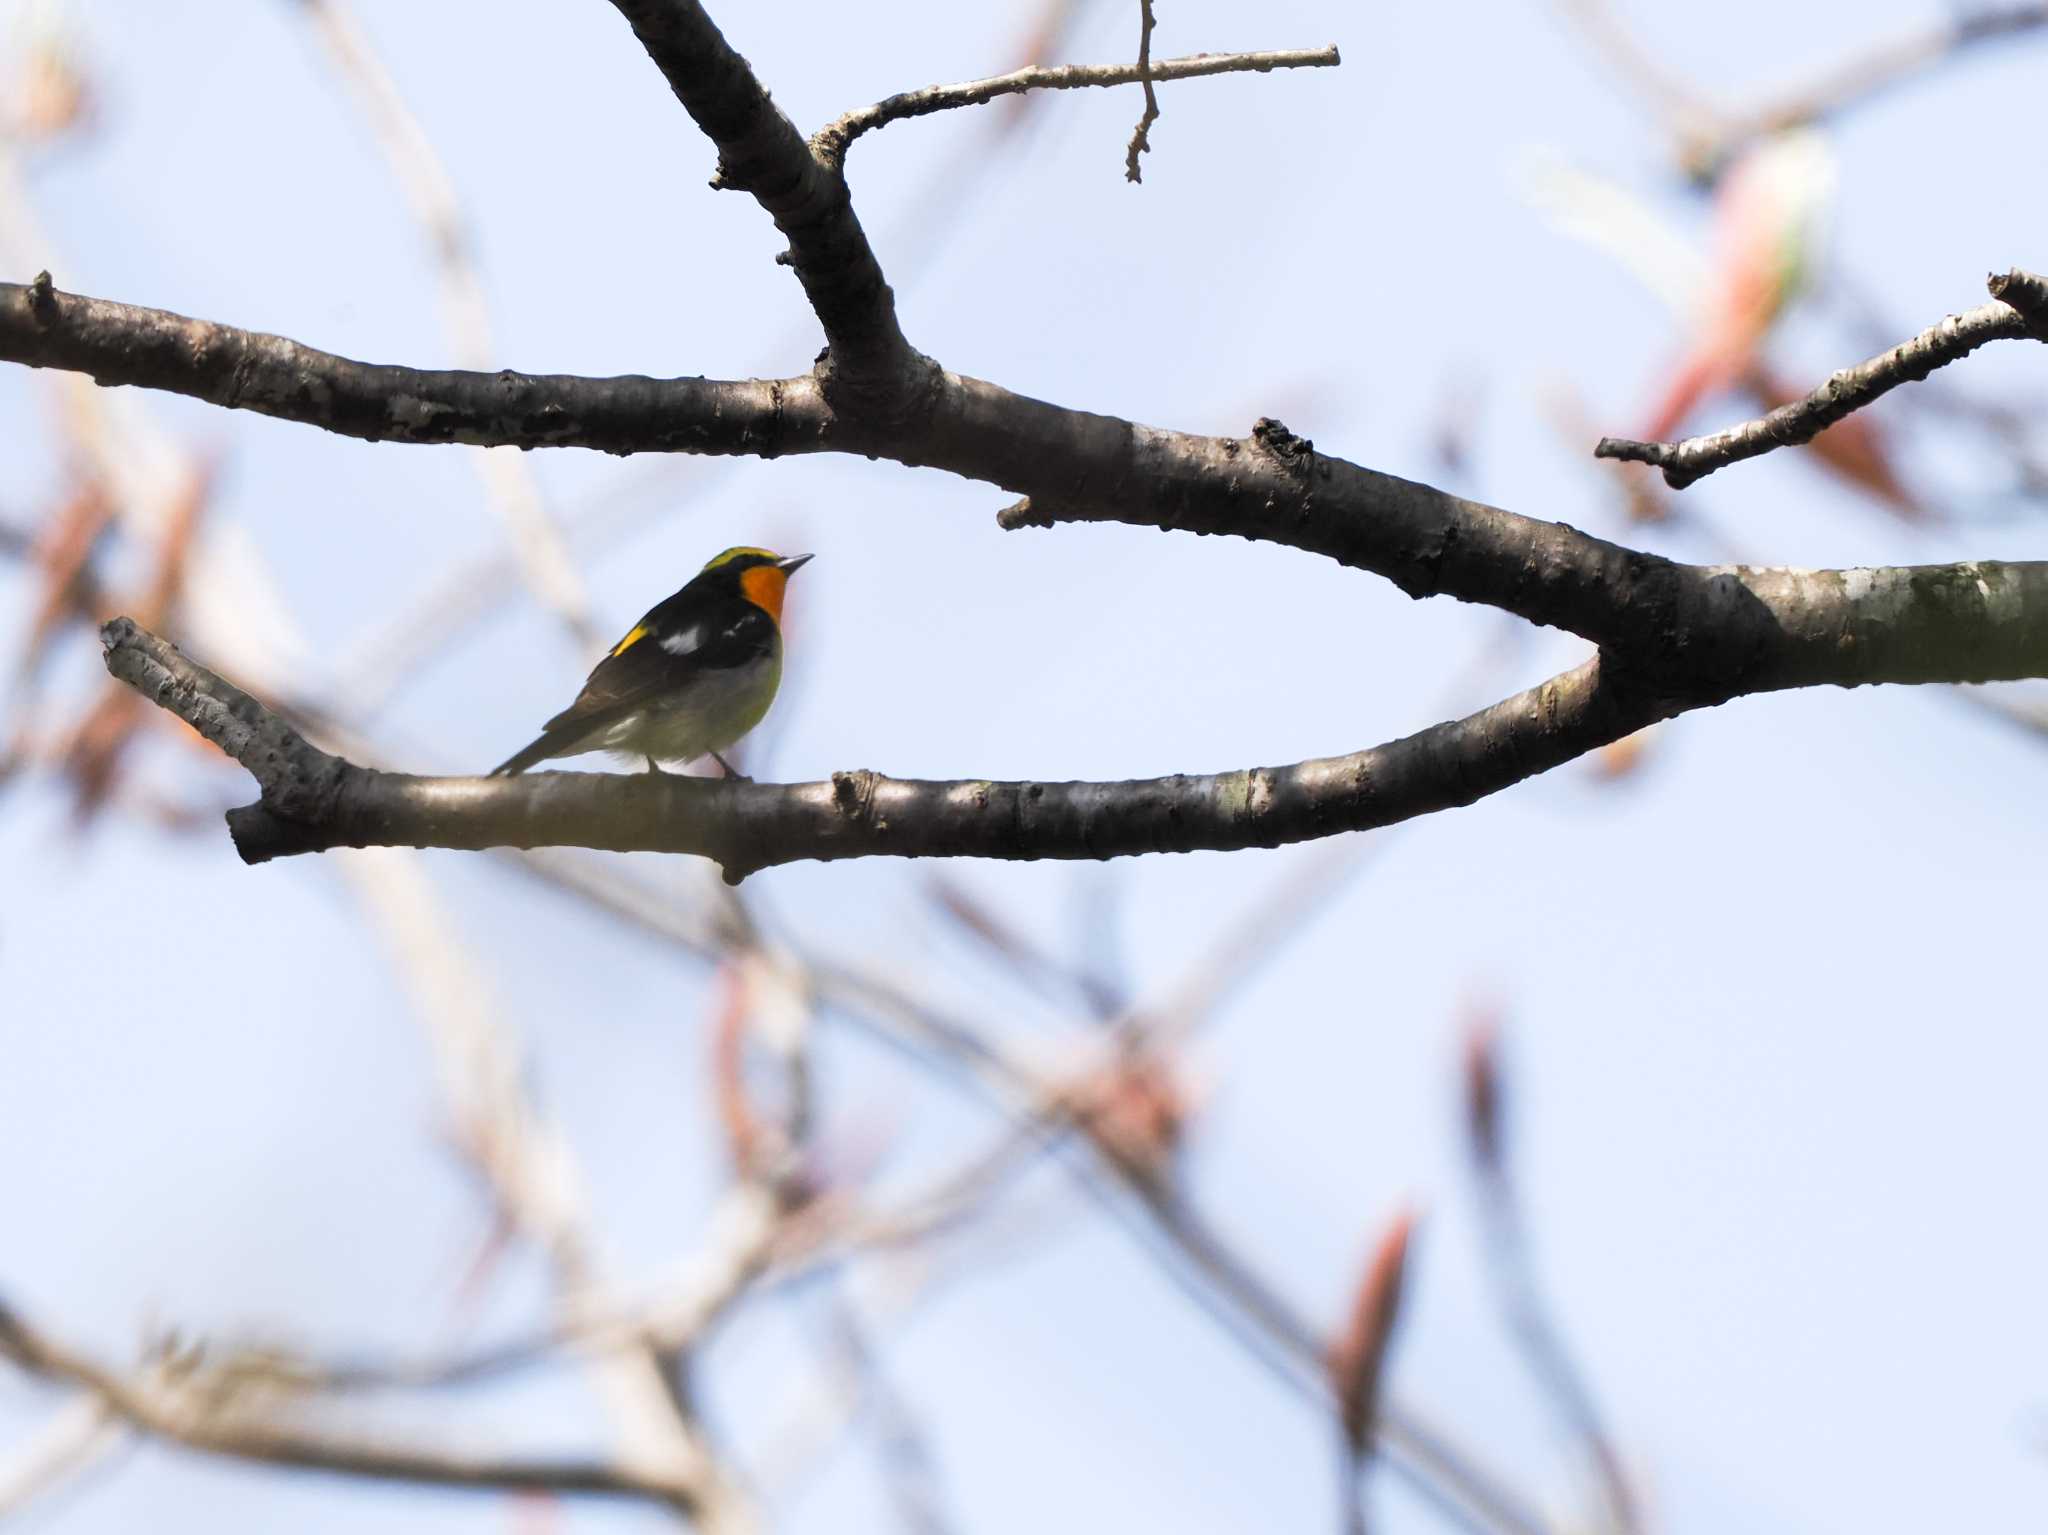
1776, 1040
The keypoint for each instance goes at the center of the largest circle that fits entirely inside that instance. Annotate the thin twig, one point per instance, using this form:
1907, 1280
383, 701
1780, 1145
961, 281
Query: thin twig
216, 1411
1517, 1290
904, 1448
2018, 311
1250, 1310
526, 1164
1141, 136
1885, 65
1192, 1253
1041, 1108
1691, 116
1709, 136
737, 1246
76, 1437
831, 142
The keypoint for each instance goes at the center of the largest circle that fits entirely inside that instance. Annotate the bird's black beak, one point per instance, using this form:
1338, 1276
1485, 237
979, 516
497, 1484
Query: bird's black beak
790, 566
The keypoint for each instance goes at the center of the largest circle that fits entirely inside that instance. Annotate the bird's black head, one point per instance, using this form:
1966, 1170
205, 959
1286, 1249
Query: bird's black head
759, 575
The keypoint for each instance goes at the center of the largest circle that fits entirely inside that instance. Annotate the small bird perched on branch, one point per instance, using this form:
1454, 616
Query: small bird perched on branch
692, 677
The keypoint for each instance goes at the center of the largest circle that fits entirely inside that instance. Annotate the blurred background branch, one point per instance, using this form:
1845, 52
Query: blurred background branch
537, 540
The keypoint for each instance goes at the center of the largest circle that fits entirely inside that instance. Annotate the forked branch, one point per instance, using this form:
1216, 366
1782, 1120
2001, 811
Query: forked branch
1670, 637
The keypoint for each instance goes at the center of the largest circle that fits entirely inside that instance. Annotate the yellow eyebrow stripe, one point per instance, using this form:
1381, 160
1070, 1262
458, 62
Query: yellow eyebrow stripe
639, 633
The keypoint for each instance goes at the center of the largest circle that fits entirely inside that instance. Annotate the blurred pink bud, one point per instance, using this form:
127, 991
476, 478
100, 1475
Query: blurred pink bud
1483, 1085
51, 94
1768, 213
1619, 759
1357, 1359
1137, 1108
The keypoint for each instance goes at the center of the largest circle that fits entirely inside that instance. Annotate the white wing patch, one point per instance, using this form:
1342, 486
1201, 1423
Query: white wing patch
683, 641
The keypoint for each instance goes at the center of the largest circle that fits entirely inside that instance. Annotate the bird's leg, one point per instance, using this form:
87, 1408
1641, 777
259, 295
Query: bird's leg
729, 772
656, 767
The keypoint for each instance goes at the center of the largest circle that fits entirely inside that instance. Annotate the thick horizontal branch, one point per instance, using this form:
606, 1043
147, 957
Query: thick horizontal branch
1270, 485
1702, 634
2018, 310
216, 1410
1973, 622
831, 142
312, 801
247, 370
761, 151
1275, 487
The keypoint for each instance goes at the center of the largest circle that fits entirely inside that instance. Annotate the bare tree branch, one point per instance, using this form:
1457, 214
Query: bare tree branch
1755, 631
1070, 465
525, 1163
1692, 117
2018, 311
246, 370
761, 152
312, 801
209, 1409
1512, 1272
739, 1245
1709, 136
1885, 65
1676, 636
831, 142
78, 1436
1043, 1106
912, 1472
1469, 1495
1191, 1253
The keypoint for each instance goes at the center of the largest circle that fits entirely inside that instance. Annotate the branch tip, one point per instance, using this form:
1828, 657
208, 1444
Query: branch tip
831, 143
1023, 514
2018, 310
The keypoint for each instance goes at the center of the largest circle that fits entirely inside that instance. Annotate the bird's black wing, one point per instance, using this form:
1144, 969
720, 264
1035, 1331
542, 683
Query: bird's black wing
658, 658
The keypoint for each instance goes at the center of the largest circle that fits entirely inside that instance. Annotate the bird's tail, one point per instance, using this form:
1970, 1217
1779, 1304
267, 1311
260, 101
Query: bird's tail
546, 746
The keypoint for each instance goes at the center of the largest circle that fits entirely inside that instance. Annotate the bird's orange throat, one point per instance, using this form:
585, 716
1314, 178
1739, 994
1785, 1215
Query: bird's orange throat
763, 586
